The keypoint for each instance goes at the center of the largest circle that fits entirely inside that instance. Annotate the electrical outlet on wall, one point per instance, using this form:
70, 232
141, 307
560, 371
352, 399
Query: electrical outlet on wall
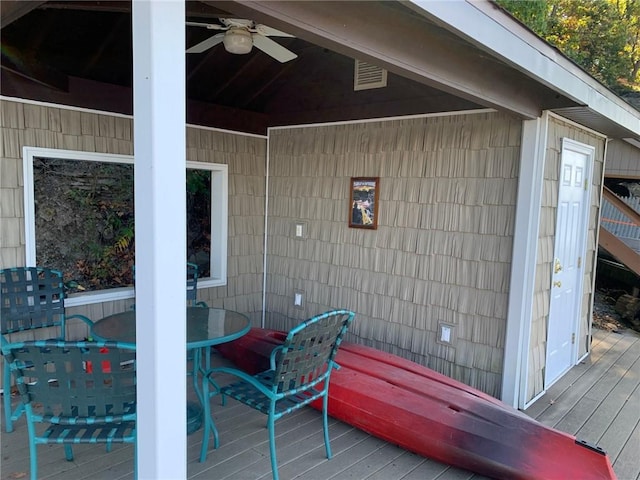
298, 298
300, 230
446, 334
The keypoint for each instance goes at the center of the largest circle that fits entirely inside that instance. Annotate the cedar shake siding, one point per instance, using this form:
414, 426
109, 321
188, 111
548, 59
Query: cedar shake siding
442, 249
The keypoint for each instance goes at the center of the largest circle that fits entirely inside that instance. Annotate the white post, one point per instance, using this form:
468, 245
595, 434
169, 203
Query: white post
523, 263
160, 210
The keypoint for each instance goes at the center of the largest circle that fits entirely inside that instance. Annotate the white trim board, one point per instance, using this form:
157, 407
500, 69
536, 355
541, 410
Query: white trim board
118, 115
219, 217
385, 119
484, 25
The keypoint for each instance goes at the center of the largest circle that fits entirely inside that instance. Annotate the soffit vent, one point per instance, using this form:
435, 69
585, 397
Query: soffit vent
368, 76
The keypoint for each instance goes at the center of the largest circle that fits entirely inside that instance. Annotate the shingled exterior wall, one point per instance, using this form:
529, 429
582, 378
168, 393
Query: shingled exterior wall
45, 126
442, 249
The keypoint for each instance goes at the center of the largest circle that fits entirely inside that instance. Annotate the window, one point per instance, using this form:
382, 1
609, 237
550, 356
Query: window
79, 218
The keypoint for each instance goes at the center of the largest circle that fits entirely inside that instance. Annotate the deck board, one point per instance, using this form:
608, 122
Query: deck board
598, 400
573, 386
621, 429
606, 397
400, 467
627, 464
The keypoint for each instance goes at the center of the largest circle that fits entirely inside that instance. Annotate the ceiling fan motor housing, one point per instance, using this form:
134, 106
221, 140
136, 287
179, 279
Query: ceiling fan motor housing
238, 41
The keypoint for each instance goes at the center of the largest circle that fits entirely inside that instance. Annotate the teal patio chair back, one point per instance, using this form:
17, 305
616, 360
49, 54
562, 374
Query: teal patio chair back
192, 301
299, 374
31, 298
192, 283
84, 392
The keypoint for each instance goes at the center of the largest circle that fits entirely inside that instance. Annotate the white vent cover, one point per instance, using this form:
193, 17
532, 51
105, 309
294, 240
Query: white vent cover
368, 76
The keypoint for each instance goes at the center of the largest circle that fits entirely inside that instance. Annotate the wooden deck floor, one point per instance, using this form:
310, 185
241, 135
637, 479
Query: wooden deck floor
598, 401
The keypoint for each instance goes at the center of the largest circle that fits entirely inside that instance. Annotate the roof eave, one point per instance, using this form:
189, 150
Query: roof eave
487, 26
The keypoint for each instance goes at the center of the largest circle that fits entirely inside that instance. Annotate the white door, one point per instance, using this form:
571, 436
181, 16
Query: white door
567, 270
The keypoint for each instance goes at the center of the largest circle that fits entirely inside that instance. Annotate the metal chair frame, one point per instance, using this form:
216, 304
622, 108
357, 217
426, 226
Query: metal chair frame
31, 298
192, 300
85, 392
192, 283
299, 374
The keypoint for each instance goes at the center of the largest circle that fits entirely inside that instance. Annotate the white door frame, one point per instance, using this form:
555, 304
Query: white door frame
589, 152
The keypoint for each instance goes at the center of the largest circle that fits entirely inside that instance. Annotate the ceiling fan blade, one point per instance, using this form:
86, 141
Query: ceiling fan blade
272, 48
209, 26
206, 44
270, 32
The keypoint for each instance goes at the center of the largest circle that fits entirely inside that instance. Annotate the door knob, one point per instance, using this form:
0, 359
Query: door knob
557, 268
557, 284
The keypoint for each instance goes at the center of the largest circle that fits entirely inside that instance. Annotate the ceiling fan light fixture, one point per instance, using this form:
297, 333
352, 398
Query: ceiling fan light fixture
238, 41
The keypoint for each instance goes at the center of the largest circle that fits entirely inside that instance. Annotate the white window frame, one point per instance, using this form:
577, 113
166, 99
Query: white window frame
219, 218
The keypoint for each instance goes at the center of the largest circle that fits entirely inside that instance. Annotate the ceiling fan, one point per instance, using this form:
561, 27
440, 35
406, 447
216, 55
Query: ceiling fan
239, 36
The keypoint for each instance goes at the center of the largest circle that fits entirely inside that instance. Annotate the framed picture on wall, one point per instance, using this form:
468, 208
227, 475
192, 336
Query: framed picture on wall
363, 202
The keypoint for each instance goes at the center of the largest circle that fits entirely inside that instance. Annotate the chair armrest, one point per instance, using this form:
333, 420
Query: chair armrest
237, 373
81, 317
274, 354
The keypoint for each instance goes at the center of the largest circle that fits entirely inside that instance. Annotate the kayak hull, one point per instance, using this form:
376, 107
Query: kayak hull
435, 416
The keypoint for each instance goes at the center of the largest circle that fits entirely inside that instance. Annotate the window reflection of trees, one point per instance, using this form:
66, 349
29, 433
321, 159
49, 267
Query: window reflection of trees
199, 220
84, 221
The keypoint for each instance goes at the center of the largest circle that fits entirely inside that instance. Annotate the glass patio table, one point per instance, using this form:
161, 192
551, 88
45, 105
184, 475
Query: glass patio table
206, 327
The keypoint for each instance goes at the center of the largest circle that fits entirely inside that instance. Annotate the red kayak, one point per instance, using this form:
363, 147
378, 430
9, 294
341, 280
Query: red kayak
435, 416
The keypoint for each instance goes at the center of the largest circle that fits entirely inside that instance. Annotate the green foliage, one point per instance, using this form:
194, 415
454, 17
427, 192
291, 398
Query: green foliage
198, 181
123, 243
198, 214
590, 33
602, 36
85, 220
98, 206
630, 12
533, 13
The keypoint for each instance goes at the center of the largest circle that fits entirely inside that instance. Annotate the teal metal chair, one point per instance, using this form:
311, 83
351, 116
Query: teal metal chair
192, 300
192, 285
299, 374
31, 298
84, 392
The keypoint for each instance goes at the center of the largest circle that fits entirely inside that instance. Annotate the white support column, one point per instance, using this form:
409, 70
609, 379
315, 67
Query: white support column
523, 263
160, 210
